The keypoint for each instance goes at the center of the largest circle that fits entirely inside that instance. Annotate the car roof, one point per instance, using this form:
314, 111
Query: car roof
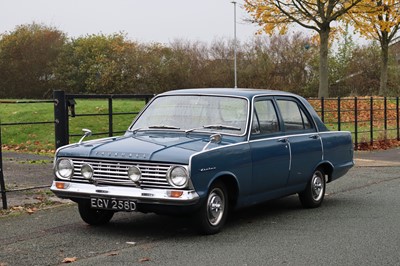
248, 93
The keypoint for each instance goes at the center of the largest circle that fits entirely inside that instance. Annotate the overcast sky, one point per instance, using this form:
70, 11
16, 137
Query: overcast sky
145, 21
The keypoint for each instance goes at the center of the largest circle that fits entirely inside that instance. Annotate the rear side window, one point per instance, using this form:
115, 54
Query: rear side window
293, 116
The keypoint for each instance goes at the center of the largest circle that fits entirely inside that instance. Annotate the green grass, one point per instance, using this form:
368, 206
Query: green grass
41, 137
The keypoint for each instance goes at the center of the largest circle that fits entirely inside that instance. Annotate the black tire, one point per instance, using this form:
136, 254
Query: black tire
94, 216
211, 216
314, 193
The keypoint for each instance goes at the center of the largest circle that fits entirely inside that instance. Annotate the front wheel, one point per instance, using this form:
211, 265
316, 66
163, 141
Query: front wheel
94, 216
212, 215
314, 193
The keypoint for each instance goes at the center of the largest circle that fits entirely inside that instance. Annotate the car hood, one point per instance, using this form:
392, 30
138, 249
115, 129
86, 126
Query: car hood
147, 147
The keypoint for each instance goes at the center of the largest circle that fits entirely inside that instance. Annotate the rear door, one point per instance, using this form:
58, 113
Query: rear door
304, 140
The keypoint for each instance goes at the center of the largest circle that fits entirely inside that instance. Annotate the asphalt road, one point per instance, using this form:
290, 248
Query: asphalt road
358, 223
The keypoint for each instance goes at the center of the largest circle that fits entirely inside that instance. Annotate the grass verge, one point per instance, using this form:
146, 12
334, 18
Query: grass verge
40, 137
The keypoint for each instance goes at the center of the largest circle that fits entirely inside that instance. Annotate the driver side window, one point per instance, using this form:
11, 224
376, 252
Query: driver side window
265, 120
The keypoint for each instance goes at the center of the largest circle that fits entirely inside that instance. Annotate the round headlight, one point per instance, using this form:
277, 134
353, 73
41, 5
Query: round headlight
64, 169
134, 173
87, 171
178, 176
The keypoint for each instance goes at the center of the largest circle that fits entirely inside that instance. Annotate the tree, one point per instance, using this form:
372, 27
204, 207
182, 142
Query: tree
98, 64
27, 57
315, 15
378, 20
280, 62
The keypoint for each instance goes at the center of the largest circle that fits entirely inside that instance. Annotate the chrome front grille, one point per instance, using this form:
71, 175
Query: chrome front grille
116, 173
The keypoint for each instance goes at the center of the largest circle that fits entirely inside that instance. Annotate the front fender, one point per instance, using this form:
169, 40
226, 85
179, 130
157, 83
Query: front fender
231, 160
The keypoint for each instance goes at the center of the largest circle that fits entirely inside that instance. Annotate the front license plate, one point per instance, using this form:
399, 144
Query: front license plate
113, 204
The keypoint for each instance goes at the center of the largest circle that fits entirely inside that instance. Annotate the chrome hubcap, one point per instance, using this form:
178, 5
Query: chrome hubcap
215, 206
317, 186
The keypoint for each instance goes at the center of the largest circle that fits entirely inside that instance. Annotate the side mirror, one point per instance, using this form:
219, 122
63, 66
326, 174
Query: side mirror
87, 133
216, 138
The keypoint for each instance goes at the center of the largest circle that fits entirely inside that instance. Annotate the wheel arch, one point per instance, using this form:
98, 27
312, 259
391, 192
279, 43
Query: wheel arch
327, 167
232, 186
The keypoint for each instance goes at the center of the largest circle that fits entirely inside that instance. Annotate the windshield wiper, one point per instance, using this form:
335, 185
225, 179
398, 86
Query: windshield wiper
136, 130
164, 127
222, 127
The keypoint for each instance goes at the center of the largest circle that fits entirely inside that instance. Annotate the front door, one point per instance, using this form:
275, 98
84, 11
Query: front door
270, 151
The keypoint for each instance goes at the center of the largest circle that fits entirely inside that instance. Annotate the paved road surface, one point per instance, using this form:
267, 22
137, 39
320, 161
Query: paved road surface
357, 224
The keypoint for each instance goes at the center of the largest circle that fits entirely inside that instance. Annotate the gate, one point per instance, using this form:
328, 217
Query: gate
64, 108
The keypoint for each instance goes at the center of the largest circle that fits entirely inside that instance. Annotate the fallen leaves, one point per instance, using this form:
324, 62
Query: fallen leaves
29, 147
69, 259
144, 259
378, 145
31, 210
17, 208
113, 253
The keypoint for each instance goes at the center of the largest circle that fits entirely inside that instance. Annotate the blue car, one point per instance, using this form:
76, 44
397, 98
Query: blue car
205, 152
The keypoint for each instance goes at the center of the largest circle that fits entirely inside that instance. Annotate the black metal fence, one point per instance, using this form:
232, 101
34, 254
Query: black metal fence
369, 119
3, 189
65, 109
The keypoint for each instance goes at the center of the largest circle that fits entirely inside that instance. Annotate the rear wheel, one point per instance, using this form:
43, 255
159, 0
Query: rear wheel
213, 213
314, 193
94, 216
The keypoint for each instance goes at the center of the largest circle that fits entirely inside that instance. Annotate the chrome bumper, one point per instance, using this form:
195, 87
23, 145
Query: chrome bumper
150, 196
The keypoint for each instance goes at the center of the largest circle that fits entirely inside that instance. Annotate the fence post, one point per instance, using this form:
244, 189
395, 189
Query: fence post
385, 116
110, 117
371, 122
397, 118
322, 109
60, 119
339, 114
2, 183
355, 123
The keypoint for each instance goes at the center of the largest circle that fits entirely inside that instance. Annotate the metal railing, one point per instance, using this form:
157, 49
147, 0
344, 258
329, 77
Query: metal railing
65, 108
3, 189
369, 119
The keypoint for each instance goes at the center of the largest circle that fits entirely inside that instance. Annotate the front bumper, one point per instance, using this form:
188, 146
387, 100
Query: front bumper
75, 191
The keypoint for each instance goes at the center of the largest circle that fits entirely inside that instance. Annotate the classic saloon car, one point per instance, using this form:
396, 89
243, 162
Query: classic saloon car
203, 152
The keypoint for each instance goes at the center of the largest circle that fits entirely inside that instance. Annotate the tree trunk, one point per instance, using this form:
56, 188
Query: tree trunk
323, 63
384, 68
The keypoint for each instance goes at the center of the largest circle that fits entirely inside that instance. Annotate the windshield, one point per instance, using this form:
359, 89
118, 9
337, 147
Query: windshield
195, 113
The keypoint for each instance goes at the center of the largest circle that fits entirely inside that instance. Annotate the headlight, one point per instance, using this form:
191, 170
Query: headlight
134, 173
64, 169
178, 176
87, 171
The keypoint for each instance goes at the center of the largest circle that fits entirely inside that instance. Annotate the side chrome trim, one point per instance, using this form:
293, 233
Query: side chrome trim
254, 140
322, 149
